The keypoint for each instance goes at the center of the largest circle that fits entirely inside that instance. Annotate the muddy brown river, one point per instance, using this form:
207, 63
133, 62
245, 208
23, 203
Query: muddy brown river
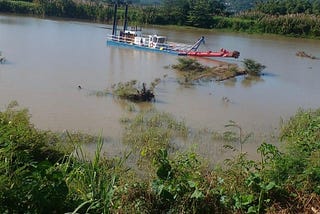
48, 59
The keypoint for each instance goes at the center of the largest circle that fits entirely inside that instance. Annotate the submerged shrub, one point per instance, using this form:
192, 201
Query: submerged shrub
130, 91
252, 67
151, 131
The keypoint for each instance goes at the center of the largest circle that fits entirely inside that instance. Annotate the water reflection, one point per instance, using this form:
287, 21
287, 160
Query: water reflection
230, 82
249, 81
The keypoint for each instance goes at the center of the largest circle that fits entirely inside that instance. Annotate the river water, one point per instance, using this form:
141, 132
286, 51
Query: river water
48, 59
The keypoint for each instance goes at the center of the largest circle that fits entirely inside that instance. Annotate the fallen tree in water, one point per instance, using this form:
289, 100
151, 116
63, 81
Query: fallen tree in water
304, 54
130, 91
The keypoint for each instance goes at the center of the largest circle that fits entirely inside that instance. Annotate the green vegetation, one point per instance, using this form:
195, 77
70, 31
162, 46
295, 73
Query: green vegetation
59, 8
299, 18
130, 91
23, 7
282, 7
252, 67
41, 170
192, 70
234, 6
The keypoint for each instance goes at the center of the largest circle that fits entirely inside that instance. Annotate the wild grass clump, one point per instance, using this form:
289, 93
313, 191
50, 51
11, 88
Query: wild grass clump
300, 166
252, 67
93, 182
189, 65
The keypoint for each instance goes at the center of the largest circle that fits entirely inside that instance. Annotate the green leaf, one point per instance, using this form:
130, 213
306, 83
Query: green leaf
247, 199
163, 171
197, 194
192, 184
270, 186
252, 209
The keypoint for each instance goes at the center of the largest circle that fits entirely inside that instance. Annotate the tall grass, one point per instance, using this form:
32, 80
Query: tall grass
93, 181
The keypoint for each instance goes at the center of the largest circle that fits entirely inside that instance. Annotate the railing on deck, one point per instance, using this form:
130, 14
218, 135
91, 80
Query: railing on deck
120, 39
168, 46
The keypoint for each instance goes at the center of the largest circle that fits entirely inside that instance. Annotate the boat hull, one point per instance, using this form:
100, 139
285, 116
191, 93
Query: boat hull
234, 54
209, 54
142, 48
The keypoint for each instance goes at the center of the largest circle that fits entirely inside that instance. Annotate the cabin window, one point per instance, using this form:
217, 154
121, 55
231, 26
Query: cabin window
161, 40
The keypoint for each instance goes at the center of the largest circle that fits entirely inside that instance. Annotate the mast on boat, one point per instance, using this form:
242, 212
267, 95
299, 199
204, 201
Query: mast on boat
114, 26
125, 19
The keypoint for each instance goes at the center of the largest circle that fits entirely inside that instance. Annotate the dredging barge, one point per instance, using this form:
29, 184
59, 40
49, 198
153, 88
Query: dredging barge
134, 39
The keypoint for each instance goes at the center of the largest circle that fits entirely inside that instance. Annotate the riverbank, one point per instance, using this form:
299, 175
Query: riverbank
61, 178
292, 25
64, 9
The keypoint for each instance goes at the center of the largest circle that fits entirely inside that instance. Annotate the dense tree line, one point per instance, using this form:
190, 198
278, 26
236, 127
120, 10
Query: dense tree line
286, 17
22, 7
239, 5
299, 18
59, 8
283, 7
182, 12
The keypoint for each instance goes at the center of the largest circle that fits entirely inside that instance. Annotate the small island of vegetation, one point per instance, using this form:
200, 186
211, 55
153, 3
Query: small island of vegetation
192, 70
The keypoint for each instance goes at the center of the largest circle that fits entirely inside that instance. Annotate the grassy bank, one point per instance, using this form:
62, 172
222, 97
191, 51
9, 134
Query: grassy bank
42, 171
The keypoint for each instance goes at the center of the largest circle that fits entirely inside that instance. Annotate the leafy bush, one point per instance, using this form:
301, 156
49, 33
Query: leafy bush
130, 91
30, 181
300, 166
252, 67
181, 185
